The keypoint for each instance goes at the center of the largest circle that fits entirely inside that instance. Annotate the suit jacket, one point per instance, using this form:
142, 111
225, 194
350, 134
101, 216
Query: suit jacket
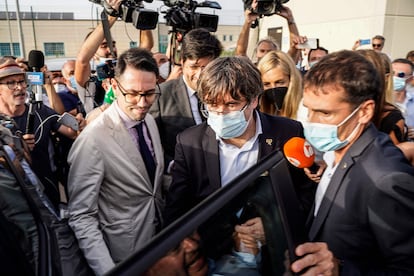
112, 203
172, 113
367, 213
196, 170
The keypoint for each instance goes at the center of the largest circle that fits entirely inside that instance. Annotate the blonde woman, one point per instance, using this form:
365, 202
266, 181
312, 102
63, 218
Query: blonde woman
282, 83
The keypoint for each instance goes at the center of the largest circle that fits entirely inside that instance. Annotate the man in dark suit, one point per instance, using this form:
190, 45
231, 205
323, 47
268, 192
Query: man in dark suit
235, 136
178, 106
364, 204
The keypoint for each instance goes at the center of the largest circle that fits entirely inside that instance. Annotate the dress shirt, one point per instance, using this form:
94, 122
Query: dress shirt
234, 160
130, 125
329, 158
192, 96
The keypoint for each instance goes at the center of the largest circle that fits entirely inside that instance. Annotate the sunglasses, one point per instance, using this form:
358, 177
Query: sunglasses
376, 45
402, 75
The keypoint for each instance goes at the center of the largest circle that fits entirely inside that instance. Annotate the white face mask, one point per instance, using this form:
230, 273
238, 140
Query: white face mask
164, 70
59, 87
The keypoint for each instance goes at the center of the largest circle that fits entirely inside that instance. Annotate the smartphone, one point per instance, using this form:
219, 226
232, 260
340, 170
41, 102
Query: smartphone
312, 43
365, 41
69, 121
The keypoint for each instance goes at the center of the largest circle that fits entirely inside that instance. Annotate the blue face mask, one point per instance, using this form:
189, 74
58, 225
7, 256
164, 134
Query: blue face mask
72, 82
230, 125
324, 137
399, 83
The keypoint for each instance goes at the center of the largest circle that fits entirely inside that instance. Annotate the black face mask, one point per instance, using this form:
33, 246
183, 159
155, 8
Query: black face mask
275, 96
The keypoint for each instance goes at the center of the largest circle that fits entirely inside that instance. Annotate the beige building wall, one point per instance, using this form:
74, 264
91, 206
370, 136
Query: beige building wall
73, 32
338, 24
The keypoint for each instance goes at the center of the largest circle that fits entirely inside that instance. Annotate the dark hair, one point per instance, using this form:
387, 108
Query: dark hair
199, 43
349, 70
140, 59
236, 76
410, 54
318, 48
404, 61
380, 37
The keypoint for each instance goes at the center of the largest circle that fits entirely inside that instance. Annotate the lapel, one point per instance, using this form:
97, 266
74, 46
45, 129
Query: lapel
180, 96
211, 157
156, 145
267, 140
338, 177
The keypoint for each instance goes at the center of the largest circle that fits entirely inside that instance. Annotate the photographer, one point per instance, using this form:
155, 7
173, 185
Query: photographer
96, 48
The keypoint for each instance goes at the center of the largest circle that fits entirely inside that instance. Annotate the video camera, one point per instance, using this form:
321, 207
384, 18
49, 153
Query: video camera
133, 11
265, 7
182, 16
106, 70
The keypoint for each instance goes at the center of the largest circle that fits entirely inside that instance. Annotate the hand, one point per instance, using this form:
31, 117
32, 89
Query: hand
30, 140
410, 133
253, 228
175, 73
285, 12
81, 121
356, 45
316, 258
297, 39
316, 177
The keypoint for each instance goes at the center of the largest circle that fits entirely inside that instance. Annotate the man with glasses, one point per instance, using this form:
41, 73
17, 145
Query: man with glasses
13, 97
178, 106
403, 74
234, 138
116, 174
378, 43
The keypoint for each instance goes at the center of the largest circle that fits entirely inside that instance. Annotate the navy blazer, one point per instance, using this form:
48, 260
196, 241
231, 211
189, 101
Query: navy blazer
196, 170
367, 213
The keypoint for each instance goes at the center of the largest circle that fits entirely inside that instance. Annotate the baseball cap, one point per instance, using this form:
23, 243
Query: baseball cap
9, 67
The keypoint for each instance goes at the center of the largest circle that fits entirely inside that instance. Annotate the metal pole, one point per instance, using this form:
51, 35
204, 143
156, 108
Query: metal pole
19, 26
33, 27
10, 32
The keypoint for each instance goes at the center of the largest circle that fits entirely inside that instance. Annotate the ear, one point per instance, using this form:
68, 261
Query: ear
366, 112
115, 87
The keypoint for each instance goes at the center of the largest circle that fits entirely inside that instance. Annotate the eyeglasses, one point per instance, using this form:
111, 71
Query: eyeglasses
134, 98
376, 45
205, 112
12, 85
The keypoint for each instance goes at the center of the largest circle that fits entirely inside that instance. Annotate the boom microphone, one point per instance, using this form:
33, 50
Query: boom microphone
300, 153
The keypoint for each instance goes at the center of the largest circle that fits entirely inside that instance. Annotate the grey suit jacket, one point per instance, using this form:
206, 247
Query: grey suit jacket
113, 205
367, 213
172, 112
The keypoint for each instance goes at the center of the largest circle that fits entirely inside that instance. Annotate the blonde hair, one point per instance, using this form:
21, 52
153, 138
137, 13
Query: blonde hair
279, 59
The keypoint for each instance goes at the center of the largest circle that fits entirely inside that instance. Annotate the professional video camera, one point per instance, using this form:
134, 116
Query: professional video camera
183, 18
106, 69
265, 7
132, 11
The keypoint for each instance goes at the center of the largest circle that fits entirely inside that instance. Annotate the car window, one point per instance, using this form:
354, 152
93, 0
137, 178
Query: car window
204, 241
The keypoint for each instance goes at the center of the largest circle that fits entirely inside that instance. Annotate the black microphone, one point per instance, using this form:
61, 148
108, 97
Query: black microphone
35, 77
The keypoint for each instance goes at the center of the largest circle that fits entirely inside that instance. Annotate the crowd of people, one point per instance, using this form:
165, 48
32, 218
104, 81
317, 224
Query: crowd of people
156, 138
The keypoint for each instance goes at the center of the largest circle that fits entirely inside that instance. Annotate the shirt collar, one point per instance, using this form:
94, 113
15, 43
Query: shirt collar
128, 122
190, 91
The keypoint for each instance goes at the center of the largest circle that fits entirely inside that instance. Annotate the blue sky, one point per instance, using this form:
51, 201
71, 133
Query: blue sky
230, 14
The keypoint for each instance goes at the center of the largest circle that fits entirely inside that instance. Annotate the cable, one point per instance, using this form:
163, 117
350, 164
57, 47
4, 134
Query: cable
40, 127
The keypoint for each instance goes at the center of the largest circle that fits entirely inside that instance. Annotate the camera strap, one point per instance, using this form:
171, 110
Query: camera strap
107, 32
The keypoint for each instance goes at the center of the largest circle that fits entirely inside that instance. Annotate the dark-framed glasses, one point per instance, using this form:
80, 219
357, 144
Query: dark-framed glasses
135, 97
12, 85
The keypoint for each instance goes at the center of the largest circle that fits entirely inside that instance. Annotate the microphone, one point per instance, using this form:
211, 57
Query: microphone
300, 153
35, 78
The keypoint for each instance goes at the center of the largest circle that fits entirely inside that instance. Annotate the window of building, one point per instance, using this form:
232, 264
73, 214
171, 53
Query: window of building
224, 37
5, 49
230, 37
54, 49
162, 43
